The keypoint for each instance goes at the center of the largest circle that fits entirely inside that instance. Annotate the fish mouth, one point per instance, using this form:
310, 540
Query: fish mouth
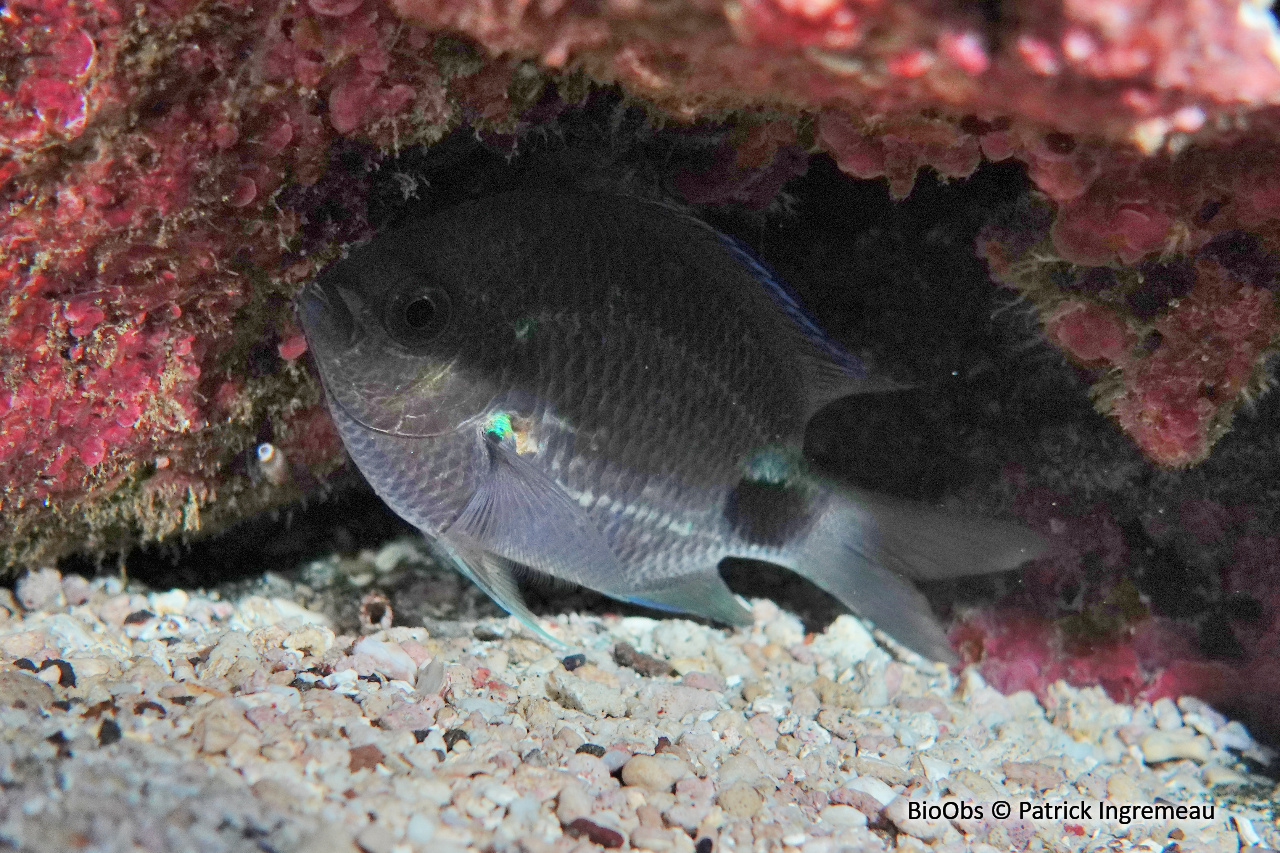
325, 314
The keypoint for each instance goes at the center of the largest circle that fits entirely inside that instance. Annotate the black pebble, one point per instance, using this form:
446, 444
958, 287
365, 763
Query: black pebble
703, 846
62, 742
572, 662
591, 749
66, 675
452, 736
109, 733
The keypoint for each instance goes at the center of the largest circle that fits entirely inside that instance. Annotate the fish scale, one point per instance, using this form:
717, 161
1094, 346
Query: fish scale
612, 393
633, 438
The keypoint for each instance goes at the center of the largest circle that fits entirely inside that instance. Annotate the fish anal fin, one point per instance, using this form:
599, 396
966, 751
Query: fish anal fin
702, 594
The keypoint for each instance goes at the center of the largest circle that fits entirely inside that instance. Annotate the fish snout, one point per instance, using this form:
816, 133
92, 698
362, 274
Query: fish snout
325, 315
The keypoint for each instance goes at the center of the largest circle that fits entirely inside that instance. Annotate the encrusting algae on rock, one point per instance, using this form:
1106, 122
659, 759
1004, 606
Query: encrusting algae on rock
1179, 339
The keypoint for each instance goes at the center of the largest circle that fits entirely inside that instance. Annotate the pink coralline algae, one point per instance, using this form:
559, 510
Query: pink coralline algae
53, 99
1183, 253
901, 85
900, 150
750, 168
142, 177
1151, 660
1177, 341
1086, 68
1107, 634
1091, 333
1208, 349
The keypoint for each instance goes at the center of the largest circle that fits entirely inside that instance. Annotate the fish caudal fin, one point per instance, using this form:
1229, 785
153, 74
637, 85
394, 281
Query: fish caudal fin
866, 549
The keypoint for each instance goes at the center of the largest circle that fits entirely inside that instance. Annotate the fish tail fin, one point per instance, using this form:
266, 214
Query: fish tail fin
867, 549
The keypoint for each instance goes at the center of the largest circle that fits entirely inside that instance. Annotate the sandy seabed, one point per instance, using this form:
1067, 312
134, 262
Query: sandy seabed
239, 720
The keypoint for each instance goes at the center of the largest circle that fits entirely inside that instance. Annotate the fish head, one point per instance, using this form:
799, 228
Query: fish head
399, 343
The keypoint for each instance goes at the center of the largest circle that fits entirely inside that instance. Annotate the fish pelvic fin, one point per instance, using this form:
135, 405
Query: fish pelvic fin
867, 549
496, 576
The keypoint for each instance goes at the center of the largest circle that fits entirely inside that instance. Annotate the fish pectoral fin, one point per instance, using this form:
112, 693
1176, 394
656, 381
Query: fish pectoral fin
496, 577
702, 594
520, 513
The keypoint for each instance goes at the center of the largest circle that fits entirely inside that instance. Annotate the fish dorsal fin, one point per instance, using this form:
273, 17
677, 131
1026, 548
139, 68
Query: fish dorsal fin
519, 513
830, 372
703, 594
496, 577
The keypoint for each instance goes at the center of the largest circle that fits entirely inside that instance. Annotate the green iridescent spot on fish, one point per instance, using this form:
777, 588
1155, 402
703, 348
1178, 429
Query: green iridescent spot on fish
498, 425
662, 397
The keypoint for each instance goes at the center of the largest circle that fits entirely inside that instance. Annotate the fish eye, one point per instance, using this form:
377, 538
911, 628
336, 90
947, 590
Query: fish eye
418, 316
421, 313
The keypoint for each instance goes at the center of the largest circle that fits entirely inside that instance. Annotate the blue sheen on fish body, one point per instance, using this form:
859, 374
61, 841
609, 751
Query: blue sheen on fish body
610, 392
